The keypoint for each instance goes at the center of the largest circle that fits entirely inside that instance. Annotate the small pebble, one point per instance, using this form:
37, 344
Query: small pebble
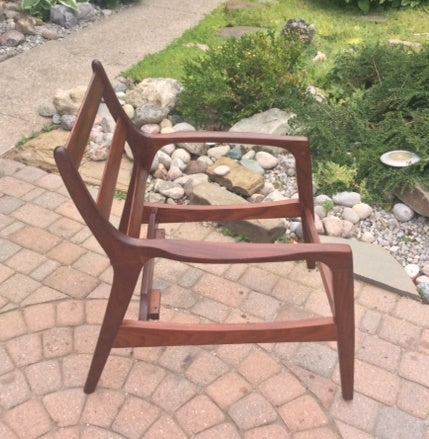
222, 170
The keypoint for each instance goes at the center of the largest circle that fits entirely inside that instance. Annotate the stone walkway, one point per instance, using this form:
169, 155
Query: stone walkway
54, 281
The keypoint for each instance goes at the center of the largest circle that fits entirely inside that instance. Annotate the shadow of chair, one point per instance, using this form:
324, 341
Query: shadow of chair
130, 255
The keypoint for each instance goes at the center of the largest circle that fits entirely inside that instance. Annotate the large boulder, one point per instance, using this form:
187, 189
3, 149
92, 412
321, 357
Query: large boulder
159, 93
417, 199
273, 121
266, 230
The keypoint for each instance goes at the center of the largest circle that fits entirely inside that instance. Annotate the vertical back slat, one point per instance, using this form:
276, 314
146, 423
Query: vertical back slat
85, 120
111, 170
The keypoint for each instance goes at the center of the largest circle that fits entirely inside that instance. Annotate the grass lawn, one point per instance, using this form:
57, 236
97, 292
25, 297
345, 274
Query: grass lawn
337, 28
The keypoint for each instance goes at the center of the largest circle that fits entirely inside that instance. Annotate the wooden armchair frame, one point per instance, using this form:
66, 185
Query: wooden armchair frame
129, 254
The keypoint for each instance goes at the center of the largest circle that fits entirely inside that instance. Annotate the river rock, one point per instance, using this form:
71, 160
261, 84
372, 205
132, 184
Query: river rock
193, 148
169, 148
196, 167
63, 16
174, 172
363, 210
402, 212
348, 199
320, 211
412, 270
169, 189
266, 160
275, 195
11, 38
337, 227
164, 158
425, 268
67, 121
182, 155
350, 215
320, 200
235, 153
86, 12
149, 114
218, 151
252, 165
239, 179
423, 290
150, 128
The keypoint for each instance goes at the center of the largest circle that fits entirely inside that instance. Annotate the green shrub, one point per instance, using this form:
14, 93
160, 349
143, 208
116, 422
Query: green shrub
384, 106
366, 5
331, 177
242, 77
42, 8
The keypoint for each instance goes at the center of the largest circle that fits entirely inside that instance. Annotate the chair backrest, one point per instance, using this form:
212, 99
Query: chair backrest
144, 147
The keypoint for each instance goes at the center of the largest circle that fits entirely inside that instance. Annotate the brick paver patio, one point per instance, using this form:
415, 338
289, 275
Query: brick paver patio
54, 280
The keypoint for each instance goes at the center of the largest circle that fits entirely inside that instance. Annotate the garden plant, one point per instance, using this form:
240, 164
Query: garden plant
376, 94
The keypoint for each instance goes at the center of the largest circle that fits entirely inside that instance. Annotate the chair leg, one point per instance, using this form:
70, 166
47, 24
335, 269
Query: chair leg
344, 317
124, 282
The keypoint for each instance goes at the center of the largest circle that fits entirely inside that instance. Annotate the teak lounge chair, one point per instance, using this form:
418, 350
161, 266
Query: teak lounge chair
129, 254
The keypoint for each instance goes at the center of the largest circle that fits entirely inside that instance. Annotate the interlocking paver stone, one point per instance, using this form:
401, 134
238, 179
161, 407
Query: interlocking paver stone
44, 377
205, 369
143, 379
134, 418
165, 427
268, 431
173, 392
72, 282
303, 413
395, 424
25, 426
252, 411
25, 350
258, 366
228, 389
13, 389
199, 414
65, 407
50, 314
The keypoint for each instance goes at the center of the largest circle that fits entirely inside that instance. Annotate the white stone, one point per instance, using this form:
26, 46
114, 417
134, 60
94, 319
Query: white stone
267, 188
348, 199
320, 57
425, 269
256, 198
363, 210
275, 195
129, 110
319, 225
222, 170
320, 211
266, 160
169, 189
367, 237
174, 173
169, 149
249, 155
167, 130
182, 155
333, 225
178, 164
402, 212
205, 159
164, 158
218, 151
412, 270
165, 123
320, 200
350, 215
183, 126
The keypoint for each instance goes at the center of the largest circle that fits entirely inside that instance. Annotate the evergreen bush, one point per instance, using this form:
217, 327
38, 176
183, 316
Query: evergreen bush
242, 77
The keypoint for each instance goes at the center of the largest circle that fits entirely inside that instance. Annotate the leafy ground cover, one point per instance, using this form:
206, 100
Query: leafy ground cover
377, 96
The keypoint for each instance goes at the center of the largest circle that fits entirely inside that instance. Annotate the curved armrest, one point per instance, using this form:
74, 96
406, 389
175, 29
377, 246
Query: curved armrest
336, 256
